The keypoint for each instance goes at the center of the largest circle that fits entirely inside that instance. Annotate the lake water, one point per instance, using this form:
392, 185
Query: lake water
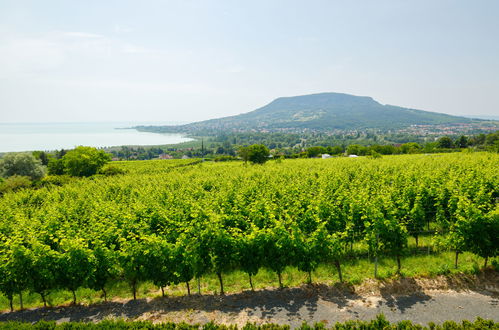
51, 136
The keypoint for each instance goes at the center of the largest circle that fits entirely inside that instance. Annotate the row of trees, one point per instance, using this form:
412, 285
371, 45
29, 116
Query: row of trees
20, 170
310, 144
173, 226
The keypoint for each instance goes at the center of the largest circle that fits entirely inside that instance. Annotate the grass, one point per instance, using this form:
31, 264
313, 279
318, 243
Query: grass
355, 271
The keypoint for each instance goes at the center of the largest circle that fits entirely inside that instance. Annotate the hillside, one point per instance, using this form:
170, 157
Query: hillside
319, 112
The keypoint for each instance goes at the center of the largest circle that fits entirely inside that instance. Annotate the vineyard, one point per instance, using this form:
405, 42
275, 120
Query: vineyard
179, 223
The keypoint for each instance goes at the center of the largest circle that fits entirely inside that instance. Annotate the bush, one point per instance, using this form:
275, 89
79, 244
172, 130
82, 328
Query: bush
224, 158
55, 180
111, 170
55, 166
14, 182
255, 153
84, 161
22, 164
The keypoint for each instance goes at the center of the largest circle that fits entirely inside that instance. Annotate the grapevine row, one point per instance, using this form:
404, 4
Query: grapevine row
170, 227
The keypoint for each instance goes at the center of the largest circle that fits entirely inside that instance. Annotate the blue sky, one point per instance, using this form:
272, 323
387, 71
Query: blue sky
189, 60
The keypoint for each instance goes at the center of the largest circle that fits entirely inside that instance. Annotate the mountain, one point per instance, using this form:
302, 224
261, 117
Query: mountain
319, 112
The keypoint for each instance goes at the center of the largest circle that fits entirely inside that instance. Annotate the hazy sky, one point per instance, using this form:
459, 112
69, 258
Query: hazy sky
191, 60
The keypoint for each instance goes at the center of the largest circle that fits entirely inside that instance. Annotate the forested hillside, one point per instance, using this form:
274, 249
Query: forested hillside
318, 112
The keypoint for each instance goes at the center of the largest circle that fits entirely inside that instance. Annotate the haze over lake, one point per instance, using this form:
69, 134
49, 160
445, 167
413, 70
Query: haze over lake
51, 136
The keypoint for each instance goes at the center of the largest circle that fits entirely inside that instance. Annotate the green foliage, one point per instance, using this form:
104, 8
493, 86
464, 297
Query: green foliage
410, 148
445, 142
55, 166
378, 323
255, 153
166, 222
111, 170
315, 151
14, 183
375, 155
21, 164
42, 156
317, 112
84, 161
76, 265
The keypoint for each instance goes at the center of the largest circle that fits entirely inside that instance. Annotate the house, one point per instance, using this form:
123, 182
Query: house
165, 156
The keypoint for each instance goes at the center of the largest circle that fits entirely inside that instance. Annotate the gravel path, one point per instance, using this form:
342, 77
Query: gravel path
289, 306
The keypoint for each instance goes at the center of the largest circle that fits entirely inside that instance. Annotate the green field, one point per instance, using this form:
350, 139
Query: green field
168, 223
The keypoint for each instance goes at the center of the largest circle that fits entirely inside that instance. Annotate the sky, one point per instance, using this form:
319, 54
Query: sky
186, 60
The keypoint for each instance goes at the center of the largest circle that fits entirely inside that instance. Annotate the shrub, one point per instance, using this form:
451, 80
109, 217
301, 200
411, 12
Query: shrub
84, 161
15, 182
111, 170
22, 164
55, 166
224, 158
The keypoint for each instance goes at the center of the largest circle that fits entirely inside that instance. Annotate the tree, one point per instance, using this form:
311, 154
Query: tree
42, 156
445, 142
335, 150
22, 164
462, 142
410, 148
55, 166
84, 161
355, 149
315, 151
243, 152
258, 153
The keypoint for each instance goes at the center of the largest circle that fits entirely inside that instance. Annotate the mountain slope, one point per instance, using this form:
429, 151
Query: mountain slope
325, 111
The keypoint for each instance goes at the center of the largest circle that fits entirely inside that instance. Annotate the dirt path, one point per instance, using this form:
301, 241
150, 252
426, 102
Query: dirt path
291, 306
421, 301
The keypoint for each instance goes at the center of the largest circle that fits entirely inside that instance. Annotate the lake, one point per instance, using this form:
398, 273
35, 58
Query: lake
51, 136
